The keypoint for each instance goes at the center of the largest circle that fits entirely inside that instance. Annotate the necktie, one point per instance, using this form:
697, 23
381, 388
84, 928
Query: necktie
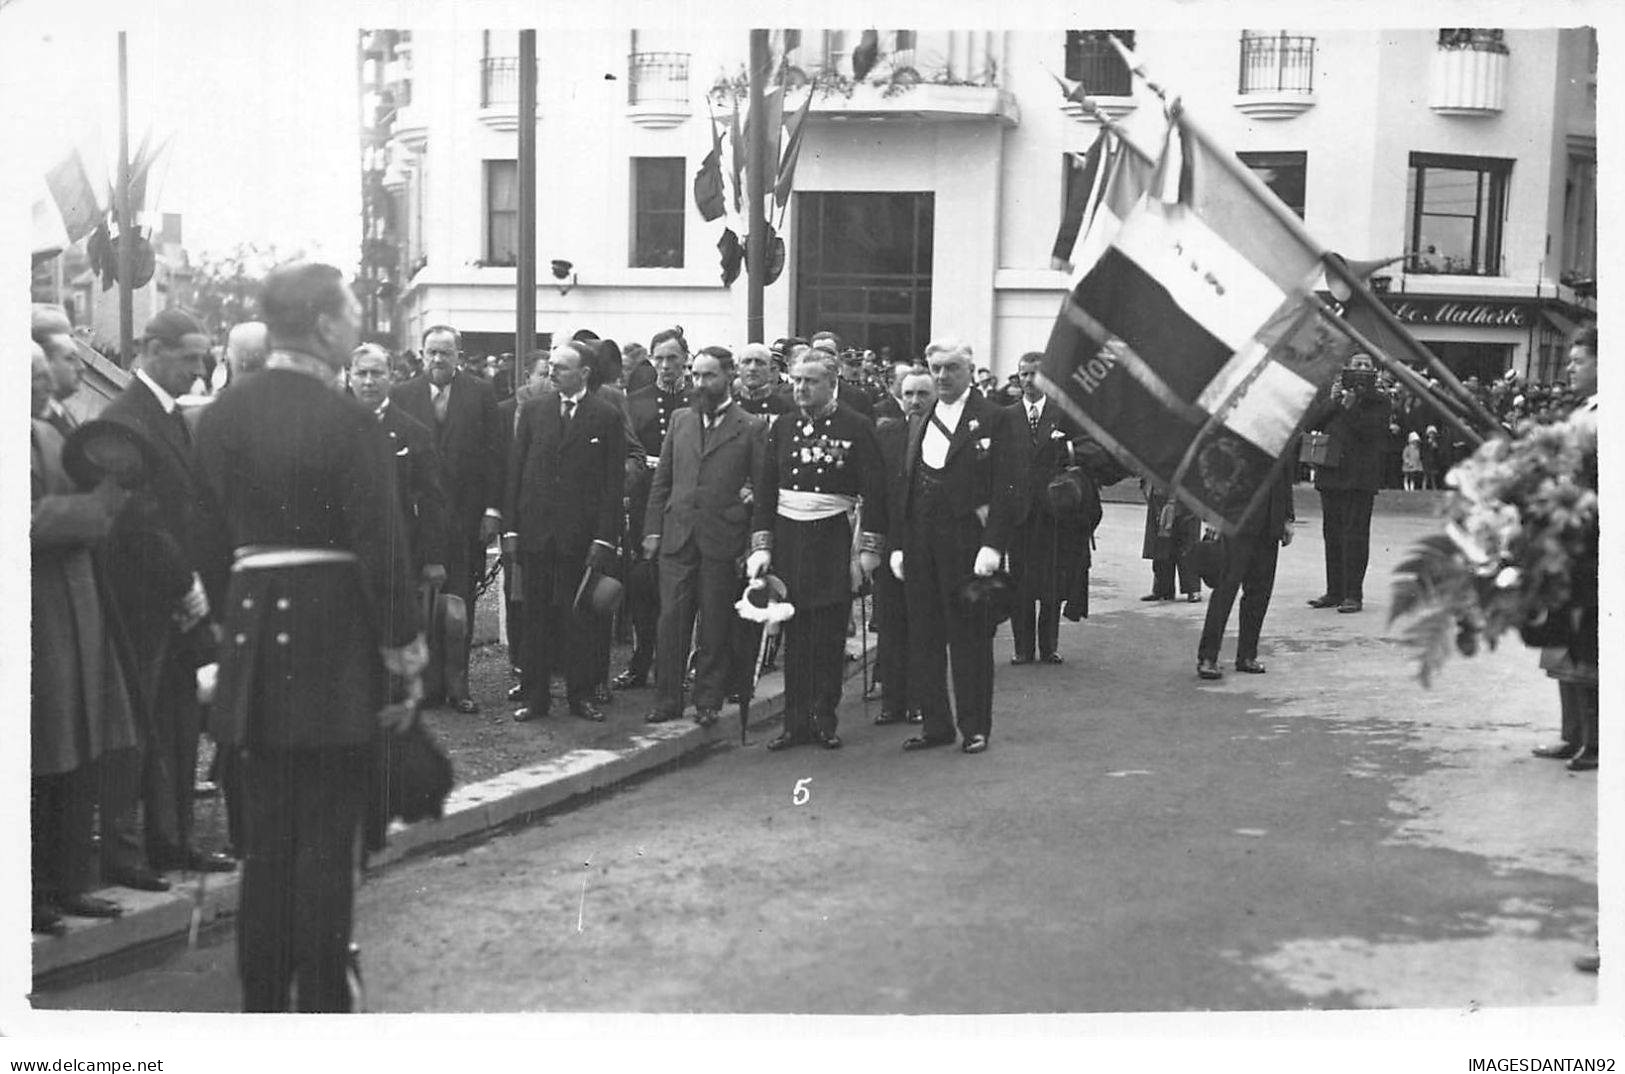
1032, 417
442, 396
569, 409
180, 424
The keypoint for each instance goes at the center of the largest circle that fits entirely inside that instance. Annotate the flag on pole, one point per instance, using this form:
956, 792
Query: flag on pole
708, 197
74, 195
1193, 346
1082, 192
1127, 173
796, 125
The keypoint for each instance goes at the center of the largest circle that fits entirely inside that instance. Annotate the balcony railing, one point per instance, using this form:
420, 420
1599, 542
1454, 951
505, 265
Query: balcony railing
1279, 63
657, 77
1091, 59
499, 81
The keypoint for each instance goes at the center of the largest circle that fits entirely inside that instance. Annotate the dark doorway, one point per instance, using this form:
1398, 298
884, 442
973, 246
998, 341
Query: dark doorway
1486, 361
863, 269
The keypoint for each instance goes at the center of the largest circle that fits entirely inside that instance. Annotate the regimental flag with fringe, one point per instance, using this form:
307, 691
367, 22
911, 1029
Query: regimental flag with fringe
1193, 346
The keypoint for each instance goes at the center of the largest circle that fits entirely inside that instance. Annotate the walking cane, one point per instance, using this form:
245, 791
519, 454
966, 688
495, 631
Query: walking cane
750, 691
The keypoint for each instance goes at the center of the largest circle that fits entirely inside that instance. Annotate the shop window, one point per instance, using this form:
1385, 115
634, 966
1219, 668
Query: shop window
1454, 209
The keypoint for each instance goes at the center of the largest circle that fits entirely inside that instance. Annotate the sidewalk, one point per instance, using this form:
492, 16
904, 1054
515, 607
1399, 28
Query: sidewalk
1306, 501
203, 901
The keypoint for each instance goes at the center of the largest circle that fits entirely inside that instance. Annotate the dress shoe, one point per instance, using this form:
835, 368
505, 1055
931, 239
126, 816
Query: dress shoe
192, 861
1156, 596
628, 681
889, 716
1193, 598
1250, 667
975, 744
206, 789
1208, 669
88, 906
1325, 600
529, 713
601, 694
785, 741
1557, 751
584, 709
1051, 658
1585, 963
1018, 660
831, 741
924, 743
465, 705
915, 716
135, 878
661, 716
1351, 604
516, 692
1583, 762
706, 717
47, 922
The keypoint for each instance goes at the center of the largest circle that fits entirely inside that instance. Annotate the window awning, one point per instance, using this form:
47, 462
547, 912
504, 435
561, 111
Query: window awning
1559, 323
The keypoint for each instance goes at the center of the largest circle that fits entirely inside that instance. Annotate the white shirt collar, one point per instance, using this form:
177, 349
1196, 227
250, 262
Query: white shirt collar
165, 400
948, 413
1035, 404
574, 400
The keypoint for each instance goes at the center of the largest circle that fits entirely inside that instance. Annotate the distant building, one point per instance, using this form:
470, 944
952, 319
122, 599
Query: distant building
927, 197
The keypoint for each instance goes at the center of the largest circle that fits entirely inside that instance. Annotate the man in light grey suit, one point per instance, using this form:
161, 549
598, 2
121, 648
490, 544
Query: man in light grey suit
698, 522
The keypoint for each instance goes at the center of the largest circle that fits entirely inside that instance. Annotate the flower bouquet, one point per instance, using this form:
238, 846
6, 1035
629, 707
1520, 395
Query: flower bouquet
1518, 551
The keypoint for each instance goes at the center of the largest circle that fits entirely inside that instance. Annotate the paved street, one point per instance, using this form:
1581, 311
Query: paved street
1328, 835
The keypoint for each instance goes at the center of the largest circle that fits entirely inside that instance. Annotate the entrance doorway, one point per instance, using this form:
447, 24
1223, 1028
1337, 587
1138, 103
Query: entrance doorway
863, 269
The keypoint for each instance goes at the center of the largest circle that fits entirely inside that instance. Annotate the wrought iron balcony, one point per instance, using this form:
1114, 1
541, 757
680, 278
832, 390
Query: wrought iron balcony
1277, 75
657, 88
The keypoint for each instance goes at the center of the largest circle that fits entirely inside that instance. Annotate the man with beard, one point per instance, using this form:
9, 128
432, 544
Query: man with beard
461, 410
821, 458
917, 393
651, 407
698, 523
760, 391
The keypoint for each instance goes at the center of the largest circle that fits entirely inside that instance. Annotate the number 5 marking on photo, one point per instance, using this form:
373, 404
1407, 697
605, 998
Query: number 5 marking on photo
801, 795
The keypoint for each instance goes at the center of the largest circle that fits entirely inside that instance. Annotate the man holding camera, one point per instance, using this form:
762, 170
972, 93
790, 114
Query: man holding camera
1355, 420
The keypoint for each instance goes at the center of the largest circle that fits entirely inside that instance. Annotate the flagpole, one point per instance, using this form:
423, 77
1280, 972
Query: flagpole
126, 238
756, 188
525, 278
1329, 260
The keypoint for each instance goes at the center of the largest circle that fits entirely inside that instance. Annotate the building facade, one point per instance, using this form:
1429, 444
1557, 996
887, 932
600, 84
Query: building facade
928, 194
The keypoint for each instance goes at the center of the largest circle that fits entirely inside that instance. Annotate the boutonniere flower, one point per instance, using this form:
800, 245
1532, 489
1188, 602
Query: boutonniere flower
974, 425
1057, 434
985, 444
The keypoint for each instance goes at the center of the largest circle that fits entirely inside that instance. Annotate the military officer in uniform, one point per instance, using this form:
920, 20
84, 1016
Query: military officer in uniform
821, 459
323, 649
965, 492
651, 407
759, 390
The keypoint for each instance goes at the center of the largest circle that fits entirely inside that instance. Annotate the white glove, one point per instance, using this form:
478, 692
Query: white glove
206, 678
897, 564
987, 561
194, 606
757, 562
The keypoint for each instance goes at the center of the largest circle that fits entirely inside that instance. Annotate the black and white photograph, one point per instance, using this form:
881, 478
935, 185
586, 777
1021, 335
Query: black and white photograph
991, 541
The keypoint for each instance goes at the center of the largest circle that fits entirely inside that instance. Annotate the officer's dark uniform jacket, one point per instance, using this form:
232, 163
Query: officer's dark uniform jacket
322, 592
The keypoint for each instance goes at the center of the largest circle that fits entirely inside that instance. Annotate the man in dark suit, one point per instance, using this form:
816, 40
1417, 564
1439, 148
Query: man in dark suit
1049, 557
461, 410
651, 408
417, 463
169, 634
966, 472
917, 392
698, 522
850, 391
1249, 567
1355, 419
323, 649
565, 478
891, 403
821, 460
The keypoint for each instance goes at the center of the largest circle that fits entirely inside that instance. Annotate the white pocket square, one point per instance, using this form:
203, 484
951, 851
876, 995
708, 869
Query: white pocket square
403, 451
594, 440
